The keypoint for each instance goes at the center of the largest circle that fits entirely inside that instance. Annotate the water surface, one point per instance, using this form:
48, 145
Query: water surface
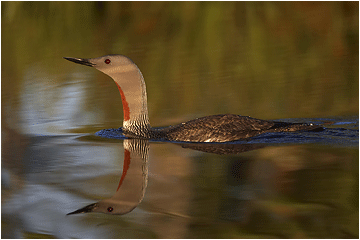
274, 185
294, 61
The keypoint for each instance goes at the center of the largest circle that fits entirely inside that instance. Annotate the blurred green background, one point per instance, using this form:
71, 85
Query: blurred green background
263, 59
269, 60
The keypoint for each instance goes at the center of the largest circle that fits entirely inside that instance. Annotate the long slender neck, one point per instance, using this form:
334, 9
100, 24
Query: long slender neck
132, 89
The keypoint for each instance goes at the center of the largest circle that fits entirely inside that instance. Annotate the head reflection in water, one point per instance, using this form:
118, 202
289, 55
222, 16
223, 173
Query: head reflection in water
133, 182
108, 206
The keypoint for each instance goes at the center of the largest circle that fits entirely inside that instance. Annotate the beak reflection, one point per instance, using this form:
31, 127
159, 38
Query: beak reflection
88, 208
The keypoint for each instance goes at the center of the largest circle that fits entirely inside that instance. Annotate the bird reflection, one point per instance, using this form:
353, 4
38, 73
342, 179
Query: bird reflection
133, 181
222, 148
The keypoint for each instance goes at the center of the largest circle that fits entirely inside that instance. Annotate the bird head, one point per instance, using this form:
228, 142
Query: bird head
108, 64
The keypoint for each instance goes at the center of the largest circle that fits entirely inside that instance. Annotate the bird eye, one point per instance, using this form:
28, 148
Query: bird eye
107, 61
110, 209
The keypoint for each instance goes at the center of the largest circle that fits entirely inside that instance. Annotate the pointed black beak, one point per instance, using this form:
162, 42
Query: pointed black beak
88, 208
82, 61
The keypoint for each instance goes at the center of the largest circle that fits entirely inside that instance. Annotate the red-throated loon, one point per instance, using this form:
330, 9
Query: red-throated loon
215, 128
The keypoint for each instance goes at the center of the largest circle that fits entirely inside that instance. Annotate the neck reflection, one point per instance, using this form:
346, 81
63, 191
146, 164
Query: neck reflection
133, 181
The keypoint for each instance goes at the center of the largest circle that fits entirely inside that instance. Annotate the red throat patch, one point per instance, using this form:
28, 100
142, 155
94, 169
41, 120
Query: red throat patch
125, 167
125, 104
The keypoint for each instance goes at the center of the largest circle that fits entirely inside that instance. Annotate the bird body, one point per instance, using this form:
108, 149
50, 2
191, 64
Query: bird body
215, 128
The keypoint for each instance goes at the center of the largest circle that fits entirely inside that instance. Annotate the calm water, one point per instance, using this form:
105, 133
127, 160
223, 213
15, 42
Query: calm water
298, 61
274, 185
